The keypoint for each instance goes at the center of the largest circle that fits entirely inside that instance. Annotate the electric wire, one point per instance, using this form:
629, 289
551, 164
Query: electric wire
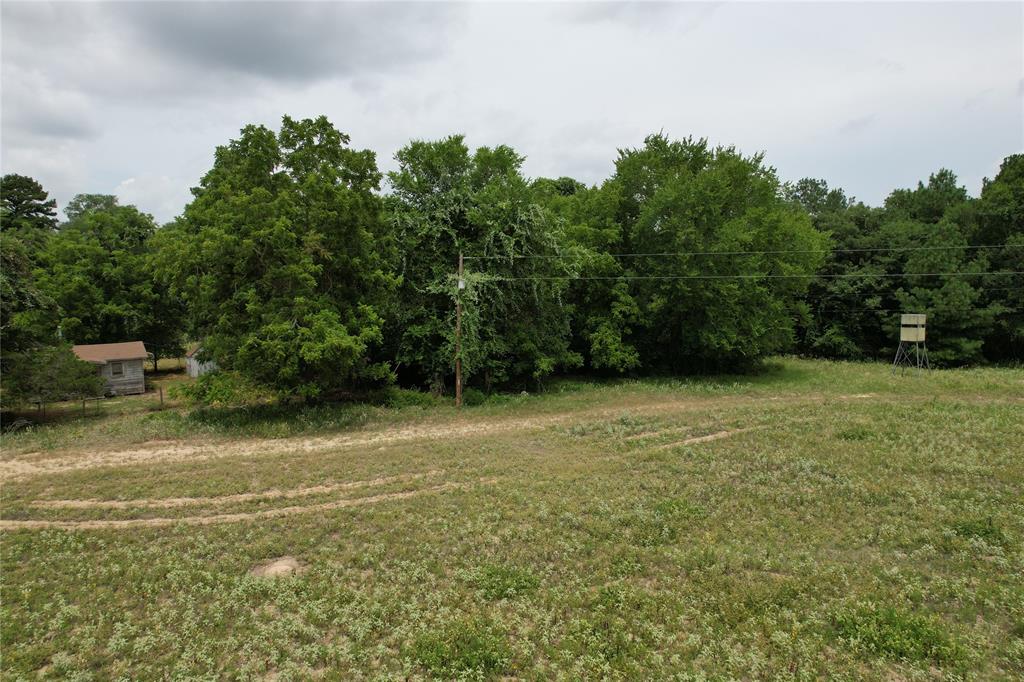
573, 278
680, 254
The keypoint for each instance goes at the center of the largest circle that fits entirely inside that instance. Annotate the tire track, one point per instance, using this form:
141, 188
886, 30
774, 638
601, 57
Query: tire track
172, 502
19, 468
31, 524
703, 439
16, 469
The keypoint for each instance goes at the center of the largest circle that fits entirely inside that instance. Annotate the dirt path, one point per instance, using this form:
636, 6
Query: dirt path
26, 466
172, 502
231, 518
23, 467
702, 439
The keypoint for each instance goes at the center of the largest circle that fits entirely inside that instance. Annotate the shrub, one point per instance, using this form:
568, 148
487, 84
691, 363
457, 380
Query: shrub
855, 433
894, 633
48, 374
609, 628
660, 524
463, 649
219, 389
985, 530
678, 508
396, 397
471, 397
504, 582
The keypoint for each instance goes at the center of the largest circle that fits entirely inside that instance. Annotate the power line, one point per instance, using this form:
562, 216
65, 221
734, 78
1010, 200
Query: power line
897, 249
927, 309
752, 276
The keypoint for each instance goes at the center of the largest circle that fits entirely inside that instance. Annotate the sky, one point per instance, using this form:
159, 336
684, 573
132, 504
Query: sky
132, 98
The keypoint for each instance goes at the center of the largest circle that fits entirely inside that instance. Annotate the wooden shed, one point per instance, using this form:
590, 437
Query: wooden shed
120, 365
194, 365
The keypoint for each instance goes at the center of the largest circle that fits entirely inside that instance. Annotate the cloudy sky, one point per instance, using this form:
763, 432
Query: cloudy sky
131, 98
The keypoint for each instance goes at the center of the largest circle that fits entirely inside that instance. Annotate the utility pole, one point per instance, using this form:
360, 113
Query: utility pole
458, 336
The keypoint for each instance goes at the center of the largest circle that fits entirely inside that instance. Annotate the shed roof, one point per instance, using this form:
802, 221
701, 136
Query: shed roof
105, 352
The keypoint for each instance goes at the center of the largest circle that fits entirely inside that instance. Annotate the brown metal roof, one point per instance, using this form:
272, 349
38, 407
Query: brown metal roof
105, 352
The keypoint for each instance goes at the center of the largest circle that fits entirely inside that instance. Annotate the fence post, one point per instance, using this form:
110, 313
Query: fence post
83, 407
161, 397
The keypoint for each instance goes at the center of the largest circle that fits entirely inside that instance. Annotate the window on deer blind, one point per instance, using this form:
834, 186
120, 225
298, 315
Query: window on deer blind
116, 369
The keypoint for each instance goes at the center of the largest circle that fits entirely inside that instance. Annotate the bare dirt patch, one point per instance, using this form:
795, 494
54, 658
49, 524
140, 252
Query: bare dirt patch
171, 502
205, 520
275, 568
702, 439
19, 468
460, 427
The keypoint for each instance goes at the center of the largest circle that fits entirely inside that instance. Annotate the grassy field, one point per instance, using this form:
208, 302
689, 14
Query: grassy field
815, 520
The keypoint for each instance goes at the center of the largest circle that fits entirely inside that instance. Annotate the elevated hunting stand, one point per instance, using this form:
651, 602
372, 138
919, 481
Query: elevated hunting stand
912, 351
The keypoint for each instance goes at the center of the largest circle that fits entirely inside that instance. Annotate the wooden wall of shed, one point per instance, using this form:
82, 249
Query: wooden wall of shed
196, 368
132, 381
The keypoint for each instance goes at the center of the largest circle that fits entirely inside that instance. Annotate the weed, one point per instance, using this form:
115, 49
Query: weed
219, 389
580, 558
891, 632
855, 433
463, 649
983, 529
504, 582
396, 397
660, 524
472, 397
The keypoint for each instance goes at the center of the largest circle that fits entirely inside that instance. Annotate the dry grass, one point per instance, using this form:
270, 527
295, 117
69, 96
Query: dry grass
817, 520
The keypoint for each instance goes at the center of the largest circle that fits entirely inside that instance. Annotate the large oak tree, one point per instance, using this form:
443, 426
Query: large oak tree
280, 259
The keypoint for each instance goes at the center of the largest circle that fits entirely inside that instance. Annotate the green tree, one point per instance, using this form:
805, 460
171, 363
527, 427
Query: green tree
47, 374
81, 204
927, 203
958, 318
32, 365
26, 211
446, 201
844, 315
733, 255
99, 270
605, 314
20, 298
1000, 215
853, 309
282, 259
928, 230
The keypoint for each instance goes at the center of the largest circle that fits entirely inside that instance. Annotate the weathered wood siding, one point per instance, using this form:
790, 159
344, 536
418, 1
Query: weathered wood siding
133, 380
196, 368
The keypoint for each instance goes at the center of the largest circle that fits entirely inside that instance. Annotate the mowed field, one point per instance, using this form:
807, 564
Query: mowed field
817, 520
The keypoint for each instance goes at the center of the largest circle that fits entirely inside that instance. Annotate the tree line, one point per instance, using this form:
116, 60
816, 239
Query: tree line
304, 270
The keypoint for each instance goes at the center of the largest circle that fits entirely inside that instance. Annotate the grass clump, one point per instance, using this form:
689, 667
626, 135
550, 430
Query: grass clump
504, 582
608, 631
219, 389
470, 649
894, 633
983, 529
522, 550
855, 433
660, 524
471, 397
396, 397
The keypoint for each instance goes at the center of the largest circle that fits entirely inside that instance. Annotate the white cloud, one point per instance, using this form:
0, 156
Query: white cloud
160, 195
869, 96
